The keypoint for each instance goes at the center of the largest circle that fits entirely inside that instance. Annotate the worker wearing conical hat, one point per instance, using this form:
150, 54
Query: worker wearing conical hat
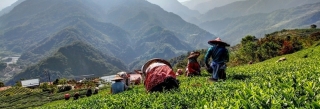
220, 56
193, 67
118, 86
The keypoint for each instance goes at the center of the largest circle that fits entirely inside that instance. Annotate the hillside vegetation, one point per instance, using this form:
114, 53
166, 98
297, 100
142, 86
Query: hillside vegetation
293, 83
259, 24
22, 98
256, 49
71, 61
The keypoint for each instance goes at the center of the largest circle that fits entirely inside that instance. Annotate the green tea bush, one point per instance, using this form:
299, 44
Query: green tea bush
293, 83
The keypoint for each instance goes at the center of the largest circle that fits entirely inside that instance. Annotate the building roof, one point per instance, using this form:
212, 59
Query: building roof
30, 82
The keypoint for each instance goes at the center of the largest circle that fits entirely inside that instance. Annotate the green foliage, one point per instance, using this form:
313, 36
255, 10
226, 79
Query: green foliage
75, 59
18, 84
313, 26
274, 44
249, 47
256, 50
1, 84
17, 91
44, 86
64, 88
62, 81
23, 98
289, 84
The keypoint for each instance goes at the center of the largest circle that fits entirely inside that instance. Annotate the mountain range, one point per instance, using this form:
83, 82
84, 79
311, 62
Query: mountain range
248, 7
9, 8
234, 19
72, 61
131, 31
176, 7
233, 29
205, 5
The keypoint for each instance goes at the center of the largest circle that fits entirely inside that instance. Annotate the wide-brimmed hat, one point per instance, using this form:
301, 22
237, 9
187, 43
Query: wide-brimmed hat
217, 41
117, 77
122, 74
194, 54
148, 63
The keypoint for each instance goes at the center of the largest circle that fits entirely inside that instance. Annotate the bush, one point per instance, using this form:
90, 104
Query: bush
313, 26
64, 88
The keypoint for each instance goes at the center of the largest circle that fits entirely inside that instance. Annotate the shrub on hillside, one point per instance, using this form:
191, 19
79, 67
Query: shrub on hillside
64, 88
2, 84
313, 26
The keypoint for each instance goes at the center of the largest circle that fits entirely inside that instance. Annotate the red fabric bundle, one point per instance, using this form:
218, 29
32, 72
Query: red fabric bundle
157, 75
193, 67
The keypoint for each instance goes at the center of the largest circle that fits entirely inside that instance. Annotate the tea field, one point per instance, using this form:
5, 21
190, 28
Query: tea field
21, 98
294, 83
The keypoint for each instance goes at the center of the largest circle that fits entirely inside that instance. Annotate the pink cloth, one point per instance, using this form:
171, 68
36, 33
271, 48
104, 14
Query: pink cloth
157, 75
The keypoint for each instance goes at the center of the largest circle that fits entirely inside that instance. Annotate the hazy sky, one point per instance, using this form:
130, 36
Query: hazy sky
182, 0
5, 3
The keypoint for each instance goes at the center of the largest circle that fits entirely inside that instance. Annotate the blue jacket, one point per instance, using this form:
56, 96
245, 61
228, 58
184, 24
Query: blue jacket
117, 87
219, 54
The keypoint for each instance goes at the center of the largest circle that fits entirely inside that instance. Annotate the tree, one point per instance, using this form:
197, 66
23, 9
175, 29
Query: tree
44, 86
286, 48
18, 84
249, 47
56, 82
313, 26
63, 81
247, 39
2, 84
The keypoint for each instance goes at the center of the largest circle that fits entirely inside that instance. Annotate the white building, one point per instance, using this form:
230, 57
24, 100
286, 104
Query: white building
30, 83
108, 78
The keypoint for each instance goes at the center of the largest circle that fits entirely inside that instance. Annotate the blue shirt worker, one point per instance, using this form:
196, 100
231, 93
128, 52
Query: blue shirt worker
118, 86
220, 56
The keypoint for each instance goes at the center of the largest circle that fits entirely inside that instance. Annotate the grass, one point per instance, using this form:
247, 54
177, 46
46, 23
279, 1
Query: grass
21, 98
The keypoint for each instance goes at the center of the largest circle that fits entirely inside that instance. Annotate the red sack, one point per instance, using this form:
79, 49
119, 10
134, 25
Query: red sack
157, 75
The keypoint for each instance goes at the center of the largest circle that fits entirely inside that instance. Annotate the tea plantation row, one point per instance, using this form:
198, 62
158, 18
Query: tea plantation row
291, 83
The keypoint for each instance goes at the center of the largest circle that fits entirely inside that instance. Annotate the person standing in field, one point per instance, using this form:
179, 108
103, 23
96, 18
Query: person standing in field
193, 64
220, 56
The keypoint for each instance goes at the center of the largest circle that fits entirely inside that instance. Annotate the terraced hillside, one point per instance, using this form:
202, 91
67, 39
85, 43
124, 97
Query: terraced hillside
269, 84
